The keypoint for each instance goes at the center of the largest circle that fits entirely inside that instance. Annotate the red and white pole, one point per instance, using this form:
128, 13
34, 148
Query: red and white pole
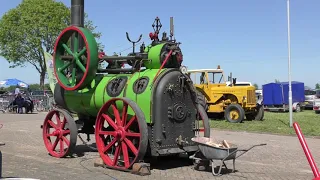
307, 152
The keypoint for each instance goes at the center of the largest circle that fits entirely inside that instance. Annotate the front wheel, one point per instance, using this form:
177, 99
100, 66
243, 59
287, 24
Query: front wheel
59, 133
234, 113
298, 108
121, 121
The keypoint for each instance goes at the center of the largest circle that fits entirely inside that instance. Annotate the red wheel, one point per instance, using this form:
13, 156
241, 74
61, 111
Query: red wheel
121, 133
59, 133
202, 122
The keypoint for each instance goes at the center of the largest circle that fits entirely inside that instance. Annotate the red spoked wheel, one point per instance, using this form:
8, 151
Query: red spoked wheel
59, 133
202, 122
121, 133
75, 67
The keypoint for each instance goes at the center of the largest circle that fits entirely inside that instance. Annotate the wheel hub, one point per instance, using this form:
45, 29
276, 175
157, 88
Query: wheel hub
57, 132
234, 115
120, 133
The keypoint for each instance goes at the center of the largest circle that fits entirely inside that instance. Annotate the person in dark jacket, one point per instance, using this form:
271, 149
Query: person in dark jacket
19, 100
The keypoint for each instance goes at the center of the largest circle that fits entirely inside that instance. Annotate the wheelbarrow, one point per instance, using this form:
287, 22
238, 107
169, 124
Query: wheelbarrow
209, 153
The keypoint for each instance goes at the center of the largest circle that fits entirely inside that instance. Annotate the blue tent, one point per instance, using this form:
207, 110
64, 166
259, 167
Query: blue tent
13, 82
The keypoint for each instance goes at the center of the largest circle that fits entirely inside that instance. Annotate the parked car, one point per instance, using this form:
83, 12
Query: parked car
310, 96
316, 106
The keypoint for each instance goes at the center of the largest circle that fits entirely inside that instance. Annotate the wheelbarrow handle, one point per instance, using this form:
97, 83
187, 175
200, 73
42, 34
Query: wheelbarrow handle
246, 150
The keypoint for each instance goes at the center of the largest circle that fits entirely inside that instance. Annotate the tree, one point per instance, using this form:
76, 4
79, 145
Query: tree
317, 86
276, 81
256, 85
30, 29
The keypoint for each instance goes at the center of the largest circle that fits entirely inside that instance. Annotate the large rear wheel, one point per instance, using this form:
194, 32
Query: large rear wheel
202, 118
202, 100
121, 133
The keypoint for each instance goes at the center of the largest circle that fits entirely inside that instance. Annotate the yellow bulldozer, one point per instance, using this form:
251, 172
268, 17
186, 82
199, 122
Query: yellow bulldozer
236, 101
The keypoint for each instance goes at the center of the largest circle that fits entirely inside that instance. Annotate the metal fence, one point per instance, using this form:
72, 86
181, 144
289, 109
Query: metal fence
41, 102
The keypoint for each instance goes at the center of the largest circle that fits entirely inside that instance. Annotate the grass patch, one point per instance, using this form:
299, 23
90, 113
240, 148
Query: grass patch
277, 123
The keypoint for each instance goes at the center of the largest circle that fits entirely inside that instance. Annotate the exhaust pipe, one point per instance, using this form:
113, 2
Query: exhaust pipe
77, 13
77, 19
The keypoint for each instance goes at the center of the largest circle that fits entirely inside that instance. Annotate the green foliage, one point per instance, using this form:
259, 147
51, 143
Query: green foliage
317, 86
256, 85
276, 81
32, 28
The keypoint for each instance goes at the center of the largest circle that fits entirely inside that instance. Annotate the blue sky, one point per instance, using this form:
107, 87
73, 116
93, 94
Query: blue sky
245, 37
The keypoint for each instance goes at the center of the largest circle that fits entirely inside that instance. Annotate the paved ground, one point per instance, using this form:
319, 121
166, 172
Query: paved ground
25, 156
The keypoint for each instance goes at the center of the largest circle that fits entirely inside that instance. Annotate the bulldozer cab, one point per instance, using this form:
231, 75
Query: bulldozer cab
207, 77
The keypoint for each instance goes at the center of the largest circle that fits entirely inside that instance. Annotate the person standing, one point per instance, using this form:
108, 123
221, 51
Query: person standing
18, 99
17, 90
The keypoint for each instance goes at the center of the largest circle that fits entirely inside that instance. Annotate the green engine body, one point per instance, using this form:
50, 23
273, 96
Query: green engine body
88, 101
160, 89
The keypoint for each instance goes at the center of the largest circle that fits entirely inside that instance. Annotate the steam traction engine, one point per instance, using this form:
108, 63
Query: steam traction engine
149, 109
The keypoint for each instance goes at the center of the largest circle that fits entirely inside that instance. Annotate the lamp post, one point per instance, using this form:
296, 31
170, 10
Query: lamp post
289, 63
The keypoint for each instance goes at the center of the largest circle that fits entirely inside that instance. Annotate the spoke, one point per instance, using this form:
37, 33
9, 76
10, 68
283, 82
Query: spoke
110, 121
124, 113
73, 76
79, 63
52, 124
76, 42
131, 146
109, 145
66, 132
67, 49
110, 133
82, 52
63, 124
61, 146
125, 155
66, 141
58, 119
116, 155
52, 134
64, 66
132, 134
54, 145
130, 122
116, 113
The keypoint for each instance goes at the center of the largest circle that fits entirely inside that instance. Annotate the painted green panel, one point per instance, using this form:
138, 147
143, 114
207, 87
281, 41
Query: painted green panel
89, 100
154, 54
144, 99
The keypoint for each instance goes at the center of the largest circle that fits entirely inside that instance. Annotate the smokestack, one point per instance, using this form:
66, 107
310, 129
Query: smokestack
77, 19
77, 13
